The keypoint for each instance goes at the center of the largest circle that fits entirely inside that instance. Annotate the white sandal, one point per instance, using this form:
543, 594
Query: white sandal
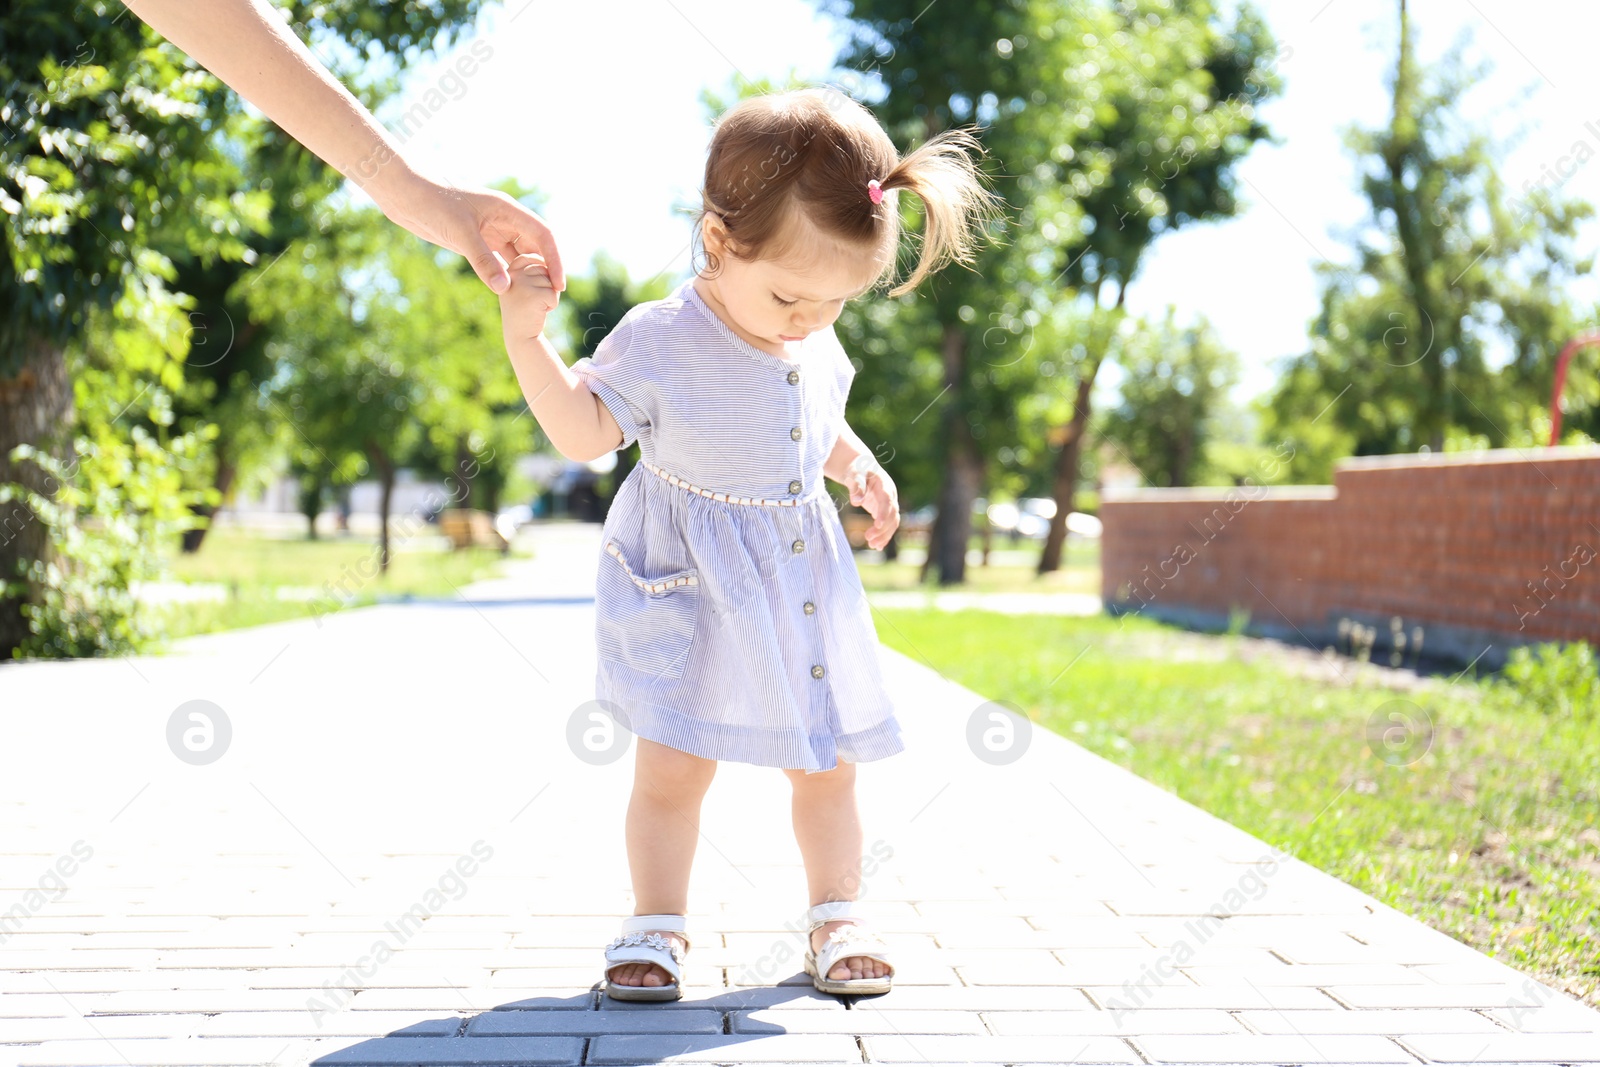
643, 940
846, 941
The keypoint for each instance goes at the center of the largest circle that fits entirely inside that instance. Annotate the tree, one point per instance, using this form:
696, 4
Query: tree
1175, 378
121, 163
111, 150
899, 59
1108, 125
352, 351
1452, 277
1168, 109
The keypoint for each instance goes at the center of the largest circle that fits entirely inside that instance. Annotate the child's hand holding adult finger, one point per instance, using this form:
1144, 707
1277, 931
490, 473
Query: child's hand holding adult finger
531, 297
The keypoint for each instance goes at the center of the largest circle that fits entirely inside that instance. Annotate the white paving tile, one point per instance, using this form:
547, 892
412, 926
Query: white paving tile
400, 860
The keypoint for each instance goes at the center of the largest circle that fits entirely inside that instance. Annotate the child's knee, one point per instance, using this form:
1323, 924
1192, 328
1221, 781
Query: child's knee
672, 771
841, 774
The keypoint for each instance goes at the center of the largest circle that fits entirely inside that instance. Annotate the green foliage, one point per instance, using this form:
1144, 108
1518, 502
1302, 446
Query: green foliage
1107, 125
1561, 681
128, 174
113, 150
1176, 378
595, 302
1163, 105
1444, 331
344, 387
126, 489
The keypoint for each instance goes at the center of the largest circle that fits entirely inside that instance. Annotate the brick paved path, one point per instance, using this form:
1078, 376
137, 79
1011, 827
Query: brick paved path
400, 859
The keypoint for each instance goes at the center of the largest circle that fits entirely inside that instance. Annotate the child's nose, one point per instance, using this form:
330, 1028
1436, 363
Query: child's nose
810, 321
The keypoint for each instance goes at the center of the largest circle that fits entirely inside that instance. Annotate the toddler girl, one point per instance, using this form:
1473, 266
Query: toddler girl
730, 619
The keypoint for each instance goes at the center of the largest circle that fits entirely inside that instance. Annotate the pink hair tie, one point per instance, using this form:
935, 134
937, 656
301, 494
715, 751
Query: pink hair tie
875, 191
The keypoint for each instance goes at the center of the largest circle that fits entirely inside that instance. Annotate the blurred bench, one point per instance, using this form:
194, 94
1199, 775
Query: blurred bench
466, 528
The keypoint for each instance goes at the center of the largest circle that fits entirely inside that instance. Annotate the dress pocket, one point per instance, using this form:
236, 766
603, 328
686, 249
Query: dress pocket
645, 621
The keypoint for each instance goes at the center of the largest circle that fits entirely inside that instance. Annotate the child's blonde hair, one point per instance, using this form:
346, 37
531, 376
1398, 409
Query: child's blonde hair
813, 152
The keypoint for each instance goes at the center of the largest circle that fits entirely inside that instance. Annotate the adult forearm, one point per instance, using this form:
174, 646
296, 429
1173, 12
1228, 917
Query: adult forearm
566, 410
247, 44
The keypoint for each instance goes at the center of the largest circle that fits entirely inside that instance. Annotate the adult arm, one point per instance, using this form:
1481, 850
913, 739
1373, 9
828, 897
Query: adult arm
248, 46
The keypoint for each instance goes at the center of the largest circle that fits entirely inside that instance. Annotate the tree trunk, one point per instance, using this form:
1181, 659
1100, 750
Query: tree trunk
1417, 227
466, 470
385, 468
963, 476
1182, 457
226, 471
311, 491
35, 408
1066, 474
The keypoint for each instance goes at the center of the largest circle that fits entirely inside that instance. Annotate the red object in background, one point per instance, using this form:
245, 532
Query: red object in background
1561, 380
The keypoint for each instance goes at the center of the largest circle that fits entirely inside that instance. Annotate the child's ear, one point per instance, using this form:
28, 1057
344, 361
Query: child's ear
714, 233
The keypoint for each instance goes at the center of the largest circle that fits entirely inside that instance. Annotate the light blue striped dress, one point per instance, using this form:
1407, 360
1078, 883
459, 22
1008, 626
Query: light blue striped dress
729, 616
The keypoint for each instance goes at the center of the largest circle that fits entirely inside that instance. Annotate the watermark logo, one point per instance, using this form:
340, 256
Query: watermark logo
199, 732
777, 959
450, 886
1250, 886
49, 887
1399, 732
595, 735
998, 732
1542, 593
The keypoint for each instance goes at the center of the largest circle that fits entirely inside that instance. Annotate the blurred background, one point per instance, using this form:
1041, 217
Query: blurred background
1284, 337
1358, 229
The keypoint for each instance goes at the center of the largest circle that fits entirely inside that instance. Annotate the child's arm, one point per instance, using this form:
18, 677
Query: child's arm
574, 419
845, 450
871, 488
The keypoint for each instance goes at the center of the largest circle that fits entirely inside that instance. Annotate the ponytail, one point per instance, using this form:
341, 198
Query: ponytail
957, 206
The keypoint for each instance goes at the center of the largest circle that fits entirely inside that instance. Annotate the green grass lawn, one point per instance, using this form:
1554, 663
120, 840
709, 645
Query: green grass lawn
256, 567
1487, 832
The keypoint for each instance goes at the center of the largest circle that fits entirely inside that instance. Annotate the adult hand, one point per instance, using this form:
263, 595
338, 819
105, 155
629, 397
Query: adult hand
488, 227
249, 46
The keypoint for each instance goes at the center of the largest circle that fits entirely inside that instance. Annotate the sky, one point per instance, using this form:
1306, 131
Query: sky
598, 106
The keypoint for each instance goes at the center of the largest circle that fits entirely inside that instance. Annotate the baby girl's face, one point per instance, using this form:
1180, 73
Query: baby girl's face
781, 300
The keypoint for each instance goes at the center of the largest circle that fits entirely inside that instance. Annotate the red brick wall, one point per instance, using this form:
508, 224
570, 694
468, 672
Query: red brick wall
1483, 550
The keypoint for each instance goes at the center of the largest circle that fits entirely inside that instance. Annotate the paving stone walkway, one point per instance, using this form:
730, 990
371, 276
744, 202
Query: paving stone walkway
401, 858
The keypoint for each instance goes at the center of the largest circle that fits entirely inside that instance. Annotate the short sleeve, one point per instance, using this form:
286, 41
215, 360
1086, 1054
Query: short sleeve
847, 370
843, 372
619, 373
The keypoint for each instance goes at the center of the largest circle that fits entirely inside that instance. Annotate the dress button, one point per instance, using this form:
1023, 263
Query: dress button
817, 671
811, 609
799, 545
795, 434
794, 487
794, 376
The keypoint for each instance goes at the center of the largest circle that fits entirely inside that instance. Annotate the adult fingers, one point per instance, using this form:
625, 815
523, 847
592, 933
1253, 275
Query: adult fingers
487, 264
518, 230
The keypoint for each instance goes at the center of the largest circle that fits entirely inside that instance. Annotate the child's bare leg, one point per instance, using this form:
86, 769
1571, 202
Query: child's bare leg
662, 830
827, 827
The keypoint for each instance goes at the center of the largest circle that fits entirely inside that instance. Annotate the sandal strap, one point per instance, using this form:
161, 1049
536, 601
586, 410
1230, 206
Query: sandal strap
645, 947
850, 941
676, 924
827, 912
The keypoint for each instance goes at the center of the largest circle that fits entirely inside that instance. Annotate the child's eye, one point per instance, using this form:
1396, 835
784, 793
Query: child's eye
784, 303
